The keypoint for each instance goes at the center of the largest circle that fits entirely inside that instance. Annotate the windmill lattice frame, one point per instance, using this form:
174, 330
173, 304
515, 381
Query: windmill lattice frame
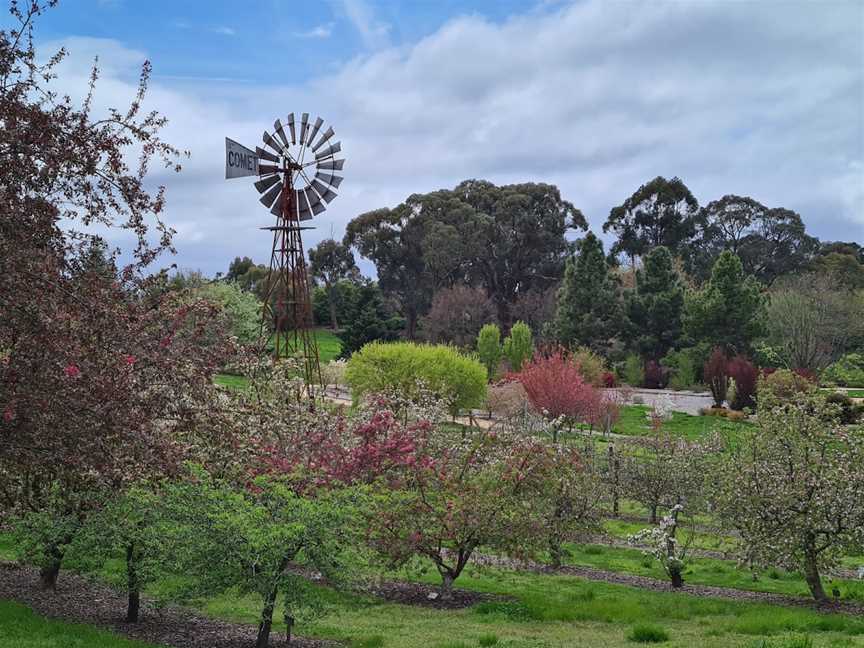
287, 299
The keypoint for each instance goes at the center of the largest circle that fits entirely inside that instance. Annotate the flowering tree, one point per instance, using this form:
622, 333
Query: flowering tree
793, 486
100, 374
663, 545
557, 390
456, 497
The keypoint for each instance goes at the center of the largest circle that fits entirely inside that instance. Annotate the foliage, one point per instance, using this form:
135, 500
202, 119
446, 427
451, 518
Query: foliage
406, 367
241, 310
485, 490
849, 412
519, 345
333, 372
782, 385
648, 633
660, 213
664, 546
507, 399
507, 240
633, 372
103, 373
793, 487
331, 262
716, 374
489, 349
848, 371
662, 469
654, 309
656, 376
250, 276
682, 368
249, 540
588, 311
769, 242
591, 365
369, 320
745, 376
344, 293
811, 322
557, 390
457, 315
727, 312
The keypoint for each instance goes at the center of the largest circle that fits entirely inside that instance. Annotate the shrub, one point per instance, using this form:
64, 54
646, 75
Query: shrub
519, 345
489, 348
745, 375
648, 633
556, 389
655, 375
849, 412
632, 372
682, 369
488, 640
506, 399
782, 384
591, 365
714, 411
457, 315
848, 371
716, 376
736, 416
405, 367
609, 379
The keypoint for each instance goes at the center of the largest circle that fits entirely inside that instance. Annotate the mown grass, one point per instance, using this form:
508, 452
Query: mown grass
20, 627
634, 422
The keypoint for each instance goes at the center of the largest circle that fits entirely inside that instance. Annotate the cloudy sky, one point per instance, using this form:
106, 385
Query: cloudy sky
764, 99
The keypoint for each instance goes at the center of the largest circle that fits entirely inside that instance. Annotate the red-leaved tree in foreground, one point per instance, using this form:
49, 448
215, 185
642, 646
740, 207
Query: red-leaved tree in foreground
101, 374
557, 390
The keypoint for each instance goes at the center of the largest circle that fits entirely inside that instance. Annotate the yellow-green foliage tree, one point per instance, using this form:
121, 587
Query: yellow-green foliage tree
408, 368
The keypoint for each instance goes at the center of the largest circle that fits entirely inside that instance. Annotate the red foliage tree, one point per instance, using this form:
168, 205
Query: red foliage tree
716, 376
746, 376
556, 389
101, 373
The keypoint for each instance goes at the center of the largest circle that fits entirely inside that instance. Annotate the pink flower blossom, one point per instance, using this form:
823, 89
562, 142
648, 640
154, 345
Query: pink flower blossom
130, 360
8, 414
72, 371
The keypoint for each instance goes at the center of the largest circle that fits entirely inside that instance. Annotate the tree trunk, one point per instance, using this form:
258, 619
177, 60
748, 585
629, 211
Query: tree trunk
266, 623
811, 575
132, 585
333, 323
615, 465
654, 514
447, 579
48, 573
676, 577
289, 626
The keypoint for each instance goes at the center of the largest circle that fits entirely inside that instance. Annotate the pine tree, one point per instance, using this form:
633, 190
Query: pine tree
728, 311
655, 309
589, 310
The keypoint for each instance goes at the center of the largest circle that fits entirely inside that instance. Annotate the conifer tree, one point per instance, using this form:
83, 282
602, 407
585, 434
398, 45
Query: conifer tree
588, 311
654, 310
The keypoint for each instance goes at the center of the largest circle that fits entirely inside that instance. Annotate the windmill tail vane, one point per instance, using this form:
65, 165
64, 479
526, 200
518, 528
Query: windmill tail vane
285, 165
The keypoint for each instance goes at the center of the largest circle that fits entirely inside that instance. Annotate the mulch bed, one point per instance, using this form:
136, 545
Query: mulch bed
427, 595
82, 601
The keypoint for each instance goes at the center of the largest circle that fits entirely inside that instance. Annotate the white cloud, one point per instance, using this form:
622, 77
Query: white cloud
596, 98
360, 14
319, 31
222, 30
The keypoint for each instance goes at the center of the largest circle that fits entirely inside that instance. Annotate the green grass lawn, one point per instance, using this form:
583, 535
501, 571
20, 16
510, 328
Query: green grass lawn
855, 393
634, 422
329, 348
20, 627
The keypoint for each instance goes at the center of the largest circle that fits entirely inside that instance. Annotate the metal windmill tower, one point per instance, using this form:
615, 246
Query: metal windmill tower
290, 161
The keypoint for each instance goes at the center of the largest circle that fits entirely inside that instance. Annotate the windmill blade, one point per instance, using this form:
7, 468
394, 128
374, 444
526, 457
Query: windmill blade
277, 126
266, 183
334, 165
326, 136
276, 209
330, 150
329, 179
267, 155
305, 211
268, 198
318, 187
304, 125
267, 169
291, 127
318, 123
328, 195
272, 143
315, 202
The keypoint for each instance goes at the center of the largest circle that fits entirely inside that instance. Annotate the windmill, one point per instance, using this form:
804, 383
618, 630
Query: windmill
285, 167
